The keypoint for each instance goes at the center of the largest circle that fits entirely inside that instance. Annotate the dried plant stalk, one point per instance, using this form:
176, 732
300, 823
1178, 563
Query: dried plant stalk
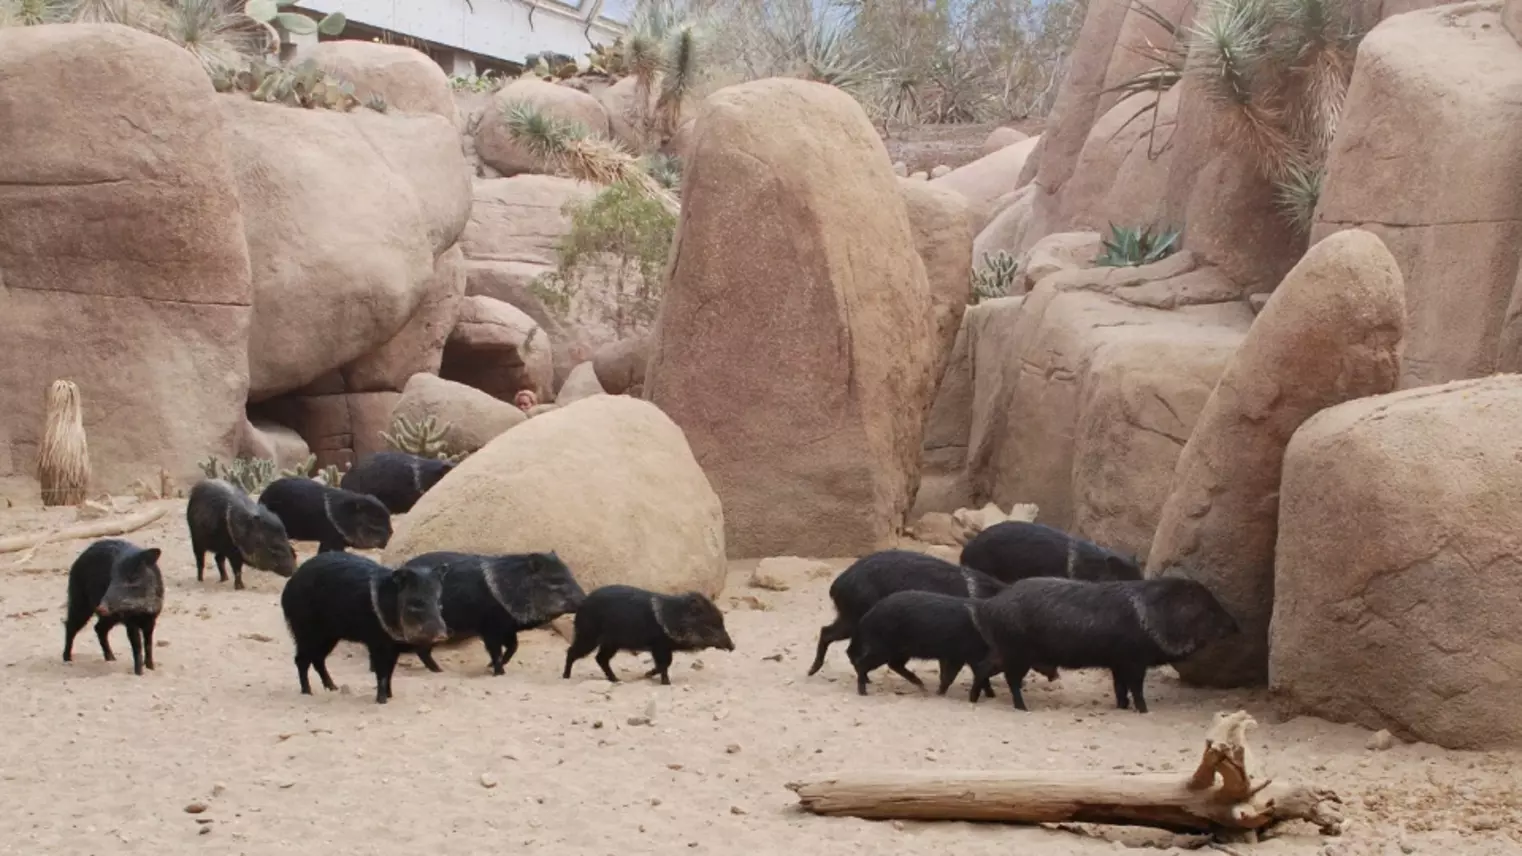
63, 467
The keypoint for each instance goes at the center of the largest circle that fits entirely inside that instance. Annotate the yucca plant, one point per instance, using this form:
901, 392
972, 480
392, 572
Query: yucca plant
994, 276
216, 32
665, 169
1165, 68
663, 46
1136, 245
30, 13
1278, 72
569, 146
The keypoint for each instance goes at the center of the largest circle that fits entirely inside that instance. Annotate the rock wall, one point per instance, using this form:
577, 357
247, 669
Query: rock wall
1398, 576
123, 265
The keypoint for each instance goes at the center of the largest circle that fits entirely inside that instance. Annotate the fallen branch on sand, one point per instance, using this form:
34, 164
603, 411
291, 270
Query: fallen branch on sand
93, 529
1220, 796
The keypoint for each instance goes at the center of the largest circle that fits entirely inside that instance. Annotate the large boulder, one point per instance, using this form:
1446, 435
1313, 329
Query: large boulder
1033, 438
944, 486
274, 442
1453, 223
1330, 333
798, 360
580, 383
338, 427
1002, 137
471, 418
942, 225
405, 78
495, 144
123, 266
345, 215
620, 365
1008, 230
986, 179
419, 345
1397, 576
607, 482
498, 349
1121, 175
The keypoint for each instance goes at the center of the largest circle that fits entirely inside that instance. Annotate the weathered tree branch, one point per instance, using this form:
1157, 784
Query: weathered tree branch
1222, 794
93, 529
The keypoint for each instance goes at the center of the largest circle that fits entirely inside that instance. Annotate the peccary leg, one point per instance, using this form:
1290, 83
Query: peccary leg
981, 685
901, 666
102, 630
662, 656
1122, 701
135, 639
829, 634
221, 559
605, 658
509, 648
314, 655
949, 671
71, 629
200, 561
865, 663
321, 665
236, 560
580, 647
1015, 676
148, 626
426, 655
1134, 681
383, 664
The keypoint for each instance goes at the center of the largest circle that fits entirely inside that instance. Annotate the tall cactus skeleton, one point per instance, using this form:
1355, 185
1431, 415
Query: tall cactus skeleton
63, 465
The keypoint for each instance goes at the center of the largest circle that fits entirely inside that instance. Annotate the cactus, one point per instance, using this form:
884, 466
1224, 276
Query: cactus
376, 102
994, 277
302, 471
423, 437
250, 474
301, 85
267, 12
330, 475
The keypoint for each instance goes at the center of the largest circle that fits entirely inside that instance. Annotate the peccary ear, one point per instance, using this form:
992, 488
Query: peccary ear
150, 556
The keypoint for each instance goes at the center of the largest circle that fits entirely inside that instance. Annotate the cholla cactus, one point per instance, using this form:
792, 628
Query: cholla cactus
423, 437
329, 475
250, 474
304, 470
994, 277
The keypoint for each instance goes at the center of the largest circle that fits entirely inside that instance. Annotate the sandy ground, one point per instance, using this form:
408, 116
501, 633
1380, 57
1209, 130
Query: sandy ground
98, 761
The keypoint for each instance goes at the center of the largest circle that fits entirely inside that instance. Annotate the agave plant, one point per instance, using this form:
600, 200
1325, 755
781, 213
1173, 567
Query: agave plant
1132, 245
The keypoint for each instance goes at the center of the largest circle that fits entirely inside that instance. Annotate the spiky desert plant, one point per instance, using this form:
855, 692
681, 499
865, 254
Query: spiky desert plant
424, 437
216, 32
63, 465
330, 475
1133, 245
994, 276
665, 169
569, 146
30, 13
303, 470
1278, 72
250, 474
827, 55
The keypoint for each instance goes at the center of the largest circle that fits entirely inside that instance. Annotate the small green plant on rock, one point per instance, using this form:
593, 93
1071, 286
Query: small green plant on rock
424, 437
267, 12
250, 474
303, 470
994, 276
1135, 245
623, 236
301, 85
330, 475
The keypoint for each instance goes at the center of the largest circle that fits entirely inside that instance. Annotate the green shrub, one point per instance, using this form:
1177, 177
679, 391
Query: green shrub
1136, 245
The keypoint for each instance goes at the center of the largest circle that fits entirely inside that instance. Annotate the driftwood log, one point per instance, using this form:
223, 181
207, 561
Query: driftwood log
1222, 795
93, 529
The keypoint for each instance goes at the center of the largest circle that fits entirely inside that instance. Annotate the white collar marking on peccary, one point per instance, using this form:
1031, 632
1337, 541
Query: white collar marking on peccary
655, 607
496, 593
1160, 641
1072, 555
972, 583
417, 474
327, 511
395, 632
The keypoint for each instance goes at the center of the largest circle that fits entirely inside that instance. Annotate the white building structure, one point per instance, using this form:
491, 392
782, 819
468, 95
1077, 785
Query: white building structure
470, 36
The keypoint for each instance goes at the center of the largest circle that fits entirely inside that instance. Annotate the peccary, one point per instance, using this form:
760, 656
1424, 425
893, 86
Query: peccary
875, 576
333, 517
1126, 626
338, 596
120, 583
624, 618
230, 525
1016, 550
919, 625
495, 597
397, 479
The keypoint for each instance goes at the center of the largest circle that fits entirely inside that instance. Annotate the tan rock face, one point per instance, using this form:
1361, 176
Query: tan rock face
1008, 229
475, 418
987, 178
1396, 580
1330, 333
620, 366
581, 383
405, 77
496, 146
944, 486
123, 267
498, 349
274, 442
339, 428
345, 214
1121, 176
1453, 224
942, 226
419, 346
816, 454
1033, 436
607, 482
1000, 138
1063, 251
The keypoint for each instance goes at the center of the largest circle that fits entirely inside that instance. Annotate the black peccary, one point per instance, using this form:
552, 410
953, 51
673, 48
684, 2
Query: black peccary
495, 597
1016, 550
875, 576
923, 625
1126, 626
624, 618
339, 596
230, 525
120, 583
333, 517
397, 479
